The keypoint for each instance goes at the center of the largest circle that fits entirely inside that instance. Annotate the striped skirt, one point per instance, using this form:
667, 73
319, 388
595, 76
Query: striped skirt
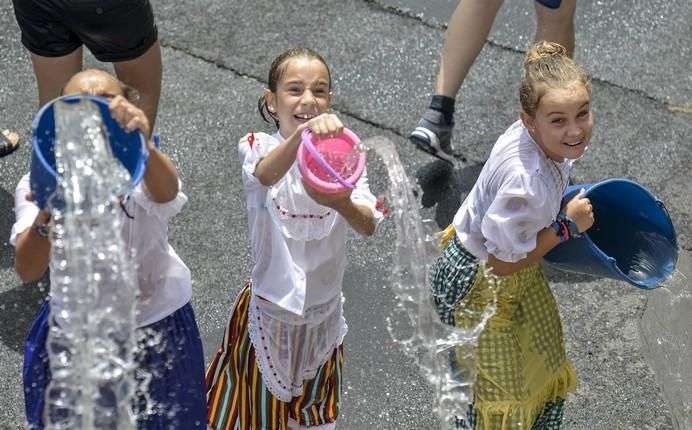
237, 398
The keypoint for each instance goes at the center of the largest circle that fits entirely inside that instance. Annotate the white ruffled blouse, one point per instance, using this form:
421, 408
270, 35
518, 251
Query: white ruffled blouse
164, 281
298, 249
298, 246
517, 194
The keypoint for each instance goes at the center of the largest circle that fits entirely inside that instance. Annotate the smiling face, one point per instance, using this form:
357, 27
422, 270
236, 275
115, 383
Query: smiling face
562, 123
302, 93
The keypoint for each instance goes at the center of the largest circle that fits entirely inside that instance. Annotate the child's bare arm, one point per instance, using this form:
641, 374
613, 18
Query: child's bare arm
579, 209
32, 253
270, 169
545, 241
161, 176
360, 217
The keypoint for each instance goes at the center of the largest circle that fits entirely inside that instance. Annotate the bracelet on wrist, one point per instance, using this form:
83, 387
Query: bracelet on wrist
42, 230
560, 230
572, 228
565, 227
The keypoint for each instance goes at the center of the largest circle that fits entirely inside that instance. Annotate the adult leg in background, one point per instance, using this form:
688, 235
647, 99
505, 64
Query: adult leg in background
467, 31
144, 73
557, 25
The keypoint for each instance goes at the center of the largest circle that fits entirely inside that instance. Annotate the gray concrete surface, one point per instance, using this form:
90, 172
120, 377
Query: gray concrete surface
384, 61
667, 336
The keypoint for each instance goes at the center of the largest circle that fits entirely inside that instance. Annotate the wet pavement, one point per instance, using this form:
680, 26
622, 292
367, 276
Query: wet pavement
384, 57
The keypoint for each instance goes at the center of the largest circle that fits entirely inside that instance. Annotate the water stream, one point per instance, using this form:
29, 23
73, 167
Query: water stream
414, 323
93, 289
91, 340
666, 329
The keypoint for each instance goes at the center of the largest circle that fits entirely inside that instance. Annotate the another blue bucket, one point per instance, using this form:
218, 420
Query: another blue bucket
128, 147
632, 238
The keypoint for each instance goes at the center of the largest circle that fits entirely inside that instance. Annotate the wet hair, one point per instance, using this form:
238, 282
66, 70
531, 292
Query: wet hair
130, 93
547, 66
276, 72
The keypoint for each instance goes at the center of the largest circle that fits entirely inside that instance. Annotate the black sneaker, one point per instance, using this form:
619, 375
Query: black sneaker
433, 136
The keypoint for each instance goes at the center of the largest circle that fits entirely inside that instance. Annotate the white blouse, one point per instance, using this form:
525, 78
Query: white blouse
164, 281
517, 194
298, 246
295, 319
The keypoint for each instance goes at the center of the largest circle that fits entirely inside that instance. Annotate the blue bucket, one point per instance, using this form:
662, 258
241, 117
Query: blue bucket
632, 238
128, 147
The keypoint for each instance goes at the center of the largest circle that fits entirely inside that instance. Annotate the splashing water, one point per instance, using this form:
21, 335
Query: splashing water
646, 263
642, 253
667, 338
90, 341
415, 323
344, 163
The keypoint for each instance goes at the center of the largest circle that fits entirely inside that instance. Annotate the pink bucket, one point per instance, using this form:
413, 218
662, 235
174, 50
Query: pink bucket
331, 165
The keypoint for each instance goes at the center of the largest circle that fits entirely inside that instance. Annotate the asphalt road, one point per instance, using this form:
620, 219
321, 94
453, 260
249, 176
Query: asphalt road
384, 57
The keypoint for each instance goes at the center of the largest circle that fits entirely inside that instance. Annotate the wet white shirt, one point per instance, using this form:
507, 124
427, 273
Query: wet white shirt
298, 246
164, 281
517, 194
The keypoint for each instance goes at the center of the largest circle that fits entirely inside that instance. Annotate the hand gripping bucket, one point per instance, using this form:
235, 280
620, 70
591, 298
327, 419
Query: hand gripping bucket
632, 238
333, 164
128, 147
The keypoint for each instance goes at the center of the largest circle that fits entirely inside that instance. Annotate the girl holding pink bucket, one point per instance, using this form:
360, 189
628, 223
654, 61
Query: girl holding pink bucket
280, 362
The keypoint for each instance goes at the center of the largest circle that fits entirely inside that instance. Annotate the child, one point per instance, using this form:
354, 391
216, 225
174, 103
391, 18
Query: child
509, 221
280, 362
176, 364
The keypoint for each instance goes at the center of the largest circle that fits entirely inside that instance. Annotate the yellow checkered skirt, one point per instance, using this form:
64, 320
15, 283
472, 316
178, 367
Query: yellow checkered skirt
520, 357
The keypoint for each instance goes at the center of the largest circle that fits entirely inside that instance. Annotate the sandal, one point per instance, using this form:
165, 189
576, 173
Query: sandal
9, 142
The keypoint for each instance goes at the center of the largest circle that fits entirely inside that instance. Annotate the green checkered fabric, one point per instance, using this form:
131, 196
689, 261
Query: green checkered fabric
549, 419
451, 277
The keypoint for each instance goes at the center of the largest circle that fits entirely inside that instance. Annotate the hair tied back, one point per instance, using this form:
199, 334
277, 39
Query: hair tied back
544, 50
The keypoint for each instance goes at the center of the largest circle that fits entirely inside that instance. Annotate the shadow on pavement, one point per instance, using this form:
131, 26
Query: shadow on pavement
6, 222
18, 307
446, 187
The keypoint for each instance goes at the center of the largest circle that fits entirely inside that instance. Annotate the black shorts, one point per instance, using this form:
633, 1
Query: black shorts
113, 30
552, 4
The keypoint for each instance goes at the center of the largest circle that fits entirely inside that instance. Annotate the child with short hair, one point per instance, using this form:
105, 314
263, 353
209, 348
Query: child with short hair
281, 359
511, 218
176, 362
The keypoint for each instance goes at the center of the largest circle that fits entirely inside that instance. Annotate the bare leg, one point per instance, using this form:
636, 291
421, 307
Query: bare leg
144, 73
52, 73
467, 31
557, 25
